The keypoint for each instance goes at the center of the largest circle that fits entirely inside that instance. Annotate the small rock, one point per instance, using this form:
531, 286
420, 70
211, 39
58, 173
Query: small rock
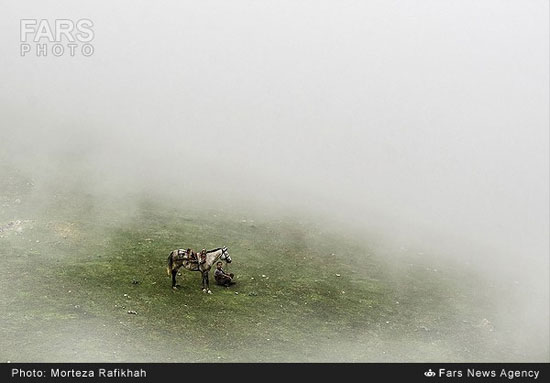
236, 293
135, 282
132, 312
263, 275
338, 275
485, 323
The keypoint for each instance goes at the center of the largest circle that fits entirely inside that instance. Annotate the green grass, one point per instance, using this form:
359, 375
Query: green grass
67, 297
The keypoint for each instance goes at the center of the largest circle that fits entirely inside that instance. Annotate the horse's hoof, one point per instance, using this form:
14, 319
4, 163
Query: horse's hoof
174, 287
209, 292
203, 290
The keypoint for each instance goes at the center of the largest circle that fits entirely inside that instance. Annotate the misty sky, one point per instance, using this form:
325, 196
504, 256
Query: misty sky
433, 114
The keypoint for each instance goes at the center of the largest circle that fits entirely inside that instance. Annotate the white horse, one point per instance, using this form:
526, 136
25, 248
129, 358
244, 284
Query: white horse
179, 258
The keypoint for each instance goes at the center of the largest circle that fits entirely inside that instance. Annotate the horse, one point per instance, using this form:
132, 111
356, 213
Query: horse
179, 258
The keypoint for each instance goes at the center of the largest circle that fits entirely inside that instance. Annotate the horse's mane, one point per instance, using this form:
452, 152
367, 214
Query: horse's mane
213, 250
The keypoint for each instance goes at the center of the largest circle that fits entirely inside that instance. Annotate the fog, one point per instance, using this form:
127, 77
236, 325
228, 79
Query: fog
426, 122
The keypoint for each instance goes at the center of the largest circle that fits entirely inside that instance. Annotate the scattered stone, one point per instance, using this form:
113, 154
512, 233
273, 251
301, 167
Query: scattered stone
486, 324
263, 275
132, 312
338, 275
236, 293
135, 282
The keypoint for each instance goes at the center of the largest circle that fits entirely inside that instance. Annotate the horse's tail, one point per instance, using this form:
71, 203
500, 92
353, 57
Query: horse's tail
170, 262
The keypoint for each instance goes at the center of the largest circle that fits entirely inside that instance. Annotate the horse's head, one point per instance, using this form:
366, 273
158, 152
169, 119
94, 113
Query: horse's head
225, 255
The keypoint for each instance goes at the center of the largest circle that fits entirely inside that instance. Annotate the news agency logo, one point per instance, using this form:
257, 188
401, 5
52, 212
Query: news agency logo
429, 373
58, 38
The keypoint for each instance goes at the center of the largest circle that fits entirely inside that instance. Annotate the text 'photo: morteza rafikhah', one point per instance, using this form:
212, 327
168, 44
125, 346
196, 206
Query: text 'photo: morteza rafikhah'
359, 183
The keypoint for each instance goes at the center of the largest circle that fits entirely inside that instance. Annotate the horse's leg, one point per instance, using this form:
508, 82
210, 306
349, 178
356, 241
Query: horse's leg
203, 283
206, 282
174, 273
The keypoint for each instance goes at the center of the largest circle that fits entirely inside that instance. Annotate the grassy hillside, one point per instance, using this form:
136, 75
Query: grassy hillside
74, 265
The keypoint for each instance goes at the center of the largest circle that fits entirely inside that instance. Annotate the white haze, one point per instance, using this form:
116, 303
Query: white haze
426, 121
